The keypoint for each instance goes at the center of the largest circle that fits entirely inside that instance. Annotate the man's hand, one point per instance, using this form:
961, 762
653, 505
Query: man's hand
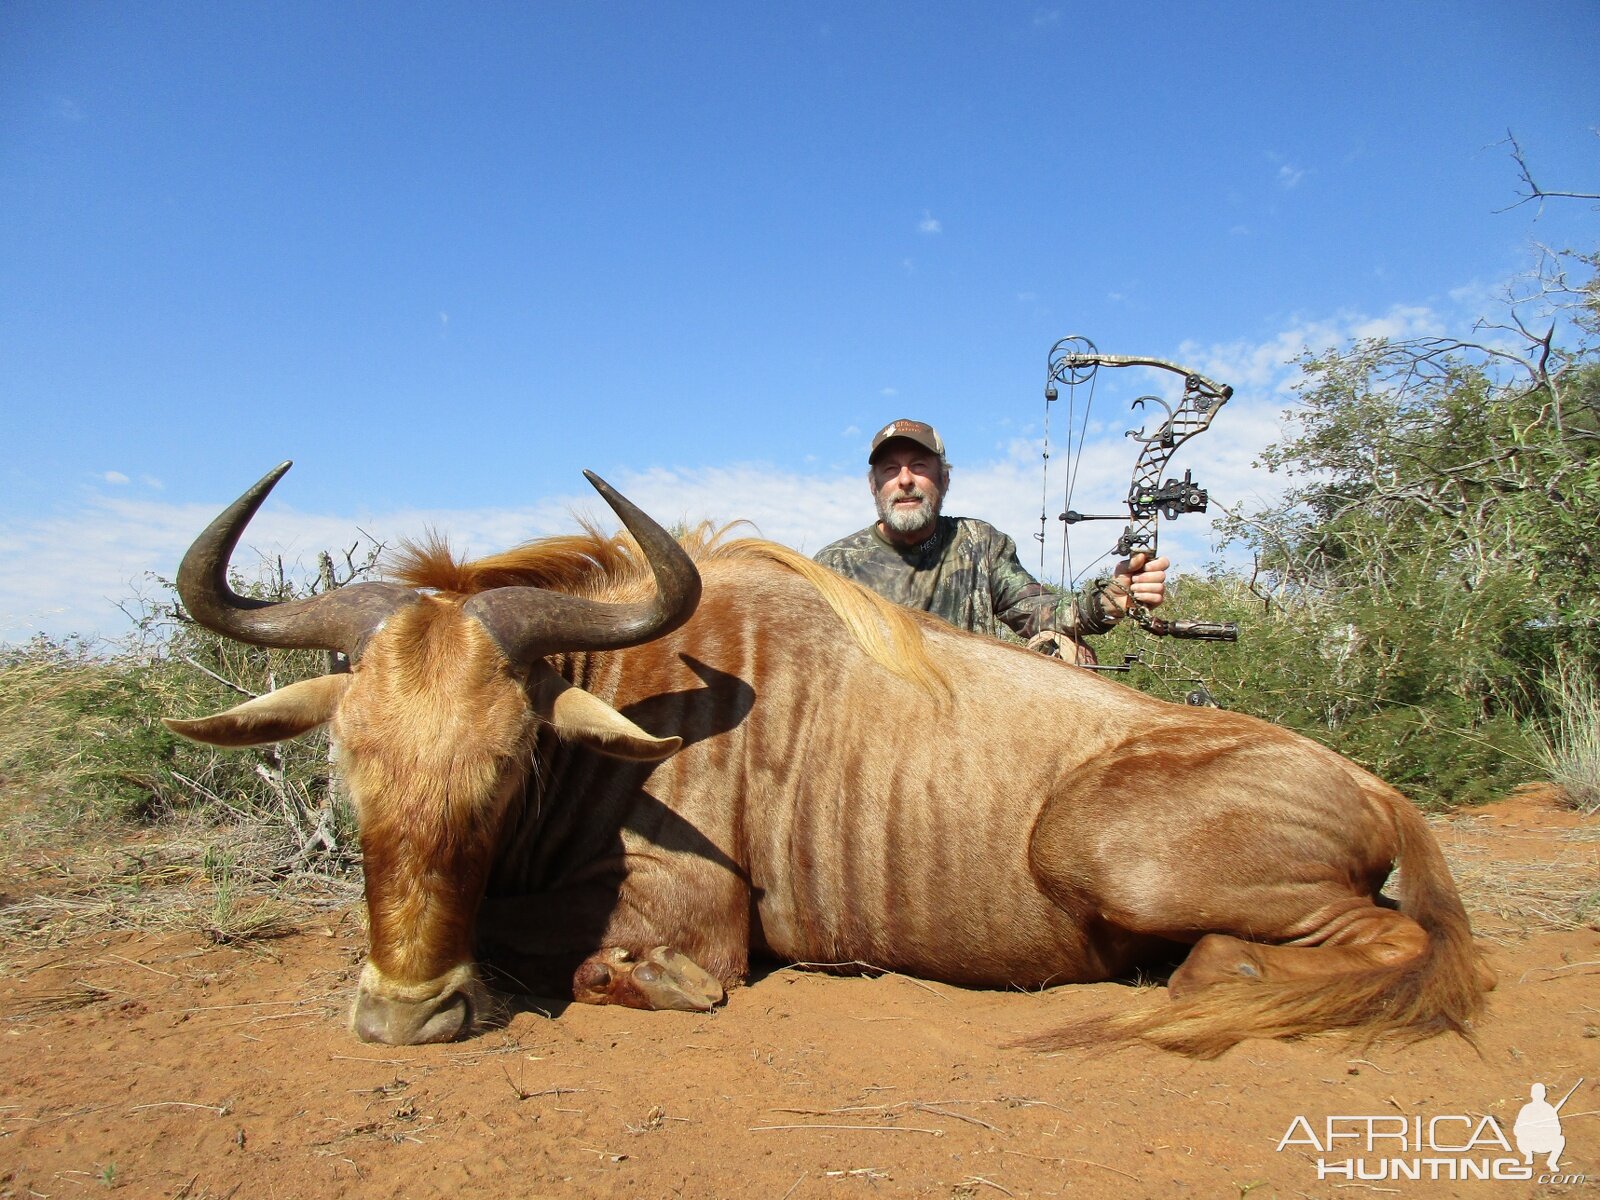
1141, 578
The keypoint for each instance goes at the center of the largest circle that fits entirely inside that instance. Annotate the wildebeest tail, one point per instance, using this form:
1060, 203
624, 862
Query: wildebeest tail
1440, 991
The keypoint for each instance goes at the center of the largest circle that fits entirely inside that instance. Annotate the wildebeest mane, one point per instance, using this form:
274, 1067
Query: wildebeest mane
602, 566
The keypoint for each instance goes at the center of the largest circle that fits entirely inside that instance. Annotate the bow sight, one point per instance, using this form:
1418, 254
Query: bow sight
1171, 499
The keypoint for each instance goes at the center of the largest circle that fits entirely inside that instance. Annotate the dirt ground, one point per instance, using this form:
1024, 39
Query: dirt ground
152, 1059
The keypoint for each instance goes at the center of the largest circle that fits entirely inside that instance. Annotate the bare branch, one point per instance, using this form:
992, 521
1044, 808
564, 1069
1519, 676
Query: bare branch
1535, 192
227, 683
1255, 576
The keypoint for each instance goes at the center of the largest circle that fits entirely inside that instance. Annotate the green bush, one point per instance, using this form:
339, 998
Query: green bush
1372, 686
81, 729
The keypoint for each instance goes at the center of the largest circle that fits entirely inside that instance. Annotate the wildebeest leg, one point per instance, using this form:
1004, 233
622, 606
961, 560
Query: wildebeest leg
1273, 875
651, 955
1364, 938
662, 978
1269, 861
1270, 914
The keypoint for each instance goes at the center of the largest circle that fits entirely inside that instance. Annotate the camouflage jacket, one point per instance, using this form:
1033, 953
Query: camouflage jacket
967, 573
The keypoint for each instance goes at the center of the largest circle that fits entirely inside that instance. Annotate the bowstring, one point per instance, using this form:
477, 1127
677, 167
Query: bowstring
1075, 458
1044, 483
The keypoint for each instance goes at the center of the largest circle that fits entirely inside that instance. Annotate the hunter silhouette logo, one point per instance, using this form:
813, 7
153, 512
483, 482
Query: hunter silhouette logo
1449, 1146
1538, 1127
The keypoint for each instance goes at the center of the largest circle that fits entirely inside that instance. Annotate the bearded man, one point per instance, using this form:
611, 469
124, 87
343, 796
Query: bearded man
963, 569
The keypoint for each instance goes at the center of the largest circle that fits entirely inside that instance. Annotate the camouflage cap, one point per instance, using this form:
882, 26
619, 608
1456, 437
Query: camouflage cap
920, 432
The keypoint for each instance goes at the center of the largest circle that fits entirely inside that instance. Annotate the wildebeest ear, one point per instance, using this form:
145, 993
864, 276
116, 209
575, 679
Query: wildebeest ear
590, 721
275, 717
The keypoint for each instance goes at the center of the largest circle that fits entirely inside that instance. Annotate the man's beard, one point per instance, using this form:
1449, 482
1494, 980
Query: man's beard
908, 520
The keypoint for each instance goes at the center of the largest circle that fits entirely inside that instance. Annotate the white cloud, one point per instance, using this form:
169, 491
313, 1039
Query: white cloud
116, 477
1401, 321
68, 572
1478, 296
151, 482
1266, 366
1289, 176
929, 223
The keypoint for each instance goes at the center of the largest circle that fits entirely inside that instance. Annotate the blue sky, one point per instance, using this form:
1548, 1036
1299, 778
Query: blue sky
446, 256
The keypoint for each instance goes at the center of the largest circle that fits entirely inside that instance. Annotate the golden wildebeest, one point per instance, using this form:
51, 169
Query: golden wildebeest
627, 764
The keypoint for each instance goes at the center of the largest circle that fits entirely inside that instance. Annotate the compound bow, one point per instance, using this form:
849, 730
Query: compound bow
1074, 360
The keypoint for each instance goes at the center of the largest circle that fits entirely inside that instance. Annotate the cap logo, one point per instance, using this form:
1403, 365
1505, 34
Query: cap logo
917, 431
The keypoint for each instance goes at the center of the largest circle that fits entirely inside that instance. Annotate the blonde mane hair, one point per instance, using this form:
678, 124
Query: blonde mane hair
594, 565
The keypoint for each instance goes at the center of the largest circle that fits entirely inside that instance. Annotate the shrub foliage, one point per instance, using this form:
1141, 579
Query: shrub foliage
81, 729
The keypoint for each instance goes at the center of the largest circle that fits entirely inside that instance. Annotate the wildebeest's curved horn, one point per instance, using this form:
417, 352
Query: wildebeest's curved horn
336, 620
530, 622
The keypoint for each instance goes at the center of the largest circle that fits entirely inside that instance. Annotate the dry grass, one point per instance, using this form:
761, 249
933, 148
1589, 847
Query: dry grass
1524, 894
81, 737
33, 690
1572, 750
79, 995
230, 883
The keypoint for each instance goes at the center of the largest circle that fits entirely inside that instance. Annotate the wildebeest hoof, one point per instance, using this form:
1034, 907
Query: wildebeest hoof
1216, 958
663, 978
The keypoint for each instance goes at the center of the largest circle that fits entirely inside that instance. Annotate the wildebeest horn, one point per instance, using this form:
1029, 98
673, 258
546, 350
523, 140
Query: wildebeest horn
530, 622
336, 620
